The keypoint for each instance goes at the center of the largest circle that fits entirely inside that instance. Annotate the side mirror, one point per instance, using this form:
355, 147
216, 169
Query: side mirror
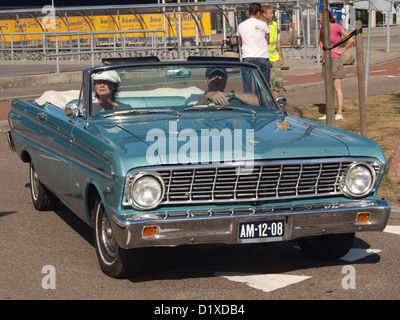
282, 103
71, 110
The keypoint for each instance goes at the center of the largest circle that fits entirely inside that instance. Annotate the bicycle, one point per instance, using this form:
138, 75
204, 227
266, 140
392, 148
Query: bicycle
228, 45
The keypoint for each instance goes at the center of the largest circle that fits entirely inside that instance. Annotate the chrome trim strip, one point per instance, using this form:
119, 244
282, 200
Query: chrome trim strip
94, 154
249, 211
63, 155
64, 136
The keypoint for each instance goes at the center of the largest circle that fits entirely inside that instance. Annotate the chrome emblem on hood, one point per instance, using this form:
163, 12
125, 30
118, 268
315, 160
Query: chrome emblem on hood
284, 125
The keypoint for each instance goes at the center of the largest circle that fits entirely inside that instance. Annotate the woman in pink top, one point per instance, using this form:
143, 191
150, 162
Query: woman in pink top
337, 32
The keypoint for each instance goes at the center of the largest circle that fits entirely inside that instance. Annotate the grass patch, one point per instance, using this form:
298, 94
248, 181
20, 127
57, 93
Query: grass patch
383, 126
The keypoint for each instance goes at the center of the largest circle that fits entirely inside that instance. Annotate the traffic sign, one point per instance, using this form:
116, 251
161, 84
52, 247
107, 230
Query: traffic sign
339, 13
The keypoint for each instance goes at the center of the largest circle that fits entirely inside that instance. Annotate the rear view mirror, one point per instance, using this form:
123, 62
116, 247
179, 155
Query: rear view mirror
178, 73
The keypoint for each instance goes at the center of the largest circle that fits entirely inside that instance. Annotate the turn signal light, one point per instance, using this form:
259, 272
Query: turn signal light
150, 231
363, 217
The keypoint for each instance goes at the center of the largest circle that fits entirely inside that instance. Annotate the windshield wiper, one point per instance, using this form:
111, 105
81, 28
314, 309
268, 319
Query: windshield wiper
219, 107
141, 111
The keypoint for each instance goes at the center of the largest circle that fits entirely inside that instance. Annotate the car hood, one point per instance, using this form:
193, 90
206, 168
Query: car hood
194, 140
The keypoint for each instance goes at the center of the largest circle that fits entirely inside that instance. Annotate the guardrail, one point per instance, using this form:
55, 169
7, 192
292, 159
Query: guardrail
81, 44
119, 43
167, 42
84, 45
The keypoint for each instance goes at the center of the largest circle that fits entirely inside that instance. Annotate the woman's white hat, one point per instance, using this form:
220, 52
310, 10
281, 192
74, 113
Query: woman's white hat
109, 75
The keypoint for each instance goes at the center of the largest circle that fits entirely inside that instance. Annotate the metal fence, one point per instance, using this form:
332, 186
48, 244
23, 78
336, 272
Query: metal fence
297, 21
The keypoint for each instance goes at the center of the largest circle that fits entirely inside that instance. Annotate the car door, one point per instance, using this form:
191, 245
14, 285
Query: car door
92, 153
54, 157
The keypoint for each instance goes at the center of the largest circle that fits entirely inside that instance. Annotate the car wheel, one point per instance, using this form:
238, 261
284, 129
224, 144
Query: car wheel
42, 198
327, 247
114, 260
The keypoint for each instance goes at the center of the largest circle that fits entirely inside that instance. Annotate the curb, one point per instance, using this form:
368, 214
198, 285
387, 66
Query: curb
38, 80
395, 212
4, 125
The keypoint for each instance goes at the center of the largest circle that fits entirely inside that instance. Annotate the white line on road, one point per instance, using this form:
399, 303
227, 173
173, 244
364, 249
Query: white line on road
306, 74
264, 282
392, 229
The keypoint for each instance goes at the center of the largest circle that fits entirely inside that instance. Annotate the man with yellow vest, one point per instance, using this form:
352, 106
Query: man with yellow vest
275, 51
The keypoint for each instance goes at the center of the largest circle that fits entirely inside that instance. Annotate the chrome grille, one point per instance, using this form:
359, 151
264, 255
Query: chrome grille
267, 181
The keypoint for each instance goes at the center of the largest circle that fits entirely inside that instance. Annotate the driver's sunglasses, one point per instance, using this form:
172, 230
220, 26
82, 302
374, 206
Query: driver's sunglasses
215, 74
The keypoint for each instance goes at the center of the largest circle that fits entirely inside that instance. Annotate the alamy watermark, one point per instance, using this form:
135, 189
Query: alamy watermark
49, 280
49, 20
349, 281
188, 146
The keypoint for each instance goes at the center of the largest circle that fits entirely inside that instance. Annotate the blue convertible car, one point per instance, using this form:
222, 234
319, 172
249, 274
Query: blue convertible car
154, 153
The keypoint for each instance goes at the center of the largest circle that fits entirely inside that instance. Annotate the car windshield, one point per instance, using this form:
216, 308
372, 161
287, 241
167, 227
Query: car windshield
178, 88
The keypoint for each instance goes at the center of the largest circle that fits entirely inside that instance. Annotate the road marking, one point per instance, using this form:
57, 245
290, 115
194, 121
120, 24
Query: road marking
306, 74
356, 254
264, 282
378, 71
392, 229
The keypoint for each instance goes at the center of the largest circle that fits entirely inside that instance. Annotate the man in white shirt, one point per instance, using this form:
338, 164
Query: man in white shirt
253, 37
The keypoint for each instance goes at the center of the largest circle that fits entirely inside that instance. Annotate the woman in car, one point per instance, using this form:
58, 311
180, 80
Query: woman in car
106, 88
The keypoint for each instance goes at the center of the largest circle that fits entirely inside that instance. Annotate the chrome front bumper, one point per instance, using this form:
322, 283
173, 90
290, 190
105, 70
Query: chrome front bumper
215, 226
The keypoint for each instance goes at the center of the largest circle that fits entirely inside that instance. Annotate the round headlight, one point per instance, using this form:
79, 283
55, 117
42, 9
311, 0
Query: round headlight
146, 192
359, 180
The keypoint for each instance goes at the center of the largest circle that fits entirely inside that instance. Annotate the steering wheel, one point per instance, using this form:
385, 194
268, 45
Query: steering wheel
235, 98
210, 102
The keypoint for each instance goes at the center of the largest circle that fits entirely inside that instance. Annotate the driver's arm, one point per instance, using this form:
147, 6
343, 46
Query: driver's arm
248, 98
217, 97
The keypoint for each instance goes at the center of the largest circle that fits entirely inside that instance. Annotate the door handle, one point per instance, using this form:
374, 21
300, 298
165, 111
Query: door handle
42, 116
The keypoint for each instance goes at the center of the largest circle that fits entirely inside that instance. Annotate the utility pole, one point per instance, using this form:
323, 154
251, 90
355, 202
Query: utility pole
329, 94
362, 97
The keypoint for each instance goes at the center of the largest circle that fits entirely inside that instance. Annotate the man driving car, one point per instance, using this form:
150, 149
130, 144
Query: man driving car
216, 79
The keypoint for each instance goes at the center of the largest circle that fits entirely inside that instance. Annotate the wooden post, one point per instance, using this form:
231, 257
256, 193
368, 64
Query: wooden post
362, 99
329, 95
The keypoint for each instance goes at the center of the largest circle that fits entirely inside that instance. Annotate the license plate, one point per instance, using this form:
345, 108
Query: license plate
261, 231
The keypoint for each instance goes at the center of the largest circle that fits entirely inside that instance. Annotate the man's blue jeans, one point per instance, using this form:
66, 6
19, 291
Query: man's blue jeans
263, 64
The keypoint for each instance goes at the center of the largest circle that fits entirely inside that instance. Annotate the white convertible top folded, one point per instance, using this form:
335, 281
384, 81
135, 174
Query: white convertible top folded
61, 98
58, 98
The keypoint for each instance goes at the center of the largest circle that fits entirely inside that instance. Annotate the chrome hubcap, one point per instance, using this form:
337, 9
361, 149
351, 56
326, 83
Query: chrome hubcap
34, 183
107, 240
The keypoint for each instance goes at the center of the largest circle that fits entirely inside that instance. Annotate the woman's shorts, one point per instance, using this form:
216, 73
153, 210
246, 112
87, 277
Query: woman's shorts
337, 69
276, 75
